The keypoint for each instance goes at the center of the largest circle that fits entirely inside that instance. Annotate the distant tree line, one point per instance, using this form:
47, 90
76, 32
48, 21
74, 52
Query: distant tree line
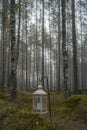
43, 37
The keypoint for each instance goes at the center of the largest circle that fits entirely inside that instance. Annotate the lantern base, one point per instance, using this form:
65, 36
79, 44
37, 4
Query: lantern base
40, 111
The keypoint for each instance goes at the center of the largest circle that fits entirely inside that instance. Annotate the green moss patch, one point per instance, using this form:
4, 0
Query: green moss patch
2, 101
74, 100
13, 118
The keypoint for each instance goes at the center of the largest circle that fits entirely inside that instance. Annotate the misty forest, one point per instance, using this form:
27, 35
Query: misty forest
43, 65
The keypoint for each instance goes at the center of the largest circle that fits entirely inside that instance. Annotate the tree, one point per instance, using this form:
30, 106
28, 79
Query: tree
81, 6
36, 45
64, 49
13, 77
50, 49
43, 41
81, 43
4, 55
75, 68
26, 48
18, 39
58, 87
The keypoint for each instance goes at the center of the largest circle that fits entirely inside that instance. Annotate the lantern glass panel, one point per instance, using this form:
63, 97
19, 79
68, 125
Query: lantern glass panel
44, 103
37, 103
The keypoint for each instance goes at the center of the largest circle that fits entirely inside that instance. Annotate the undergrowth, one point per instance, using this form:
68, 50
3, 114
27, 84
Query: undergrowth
18, 115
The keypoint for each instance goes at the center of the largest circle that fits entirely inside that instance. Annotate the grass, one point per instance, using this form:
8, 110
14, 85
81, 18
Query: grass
66, 114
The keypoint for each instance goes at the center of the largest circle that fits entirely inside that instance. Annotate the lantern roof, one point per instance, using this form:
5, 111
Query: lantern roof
39, 91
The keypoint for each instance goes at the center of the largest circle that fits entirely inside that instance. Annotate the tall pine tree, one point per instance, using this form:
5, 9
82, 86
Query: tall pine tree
64, 48
13, 77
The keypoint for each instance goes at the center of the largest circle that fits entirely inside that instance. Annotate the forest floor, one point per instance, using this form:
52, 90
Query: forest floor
71, 125
69, 114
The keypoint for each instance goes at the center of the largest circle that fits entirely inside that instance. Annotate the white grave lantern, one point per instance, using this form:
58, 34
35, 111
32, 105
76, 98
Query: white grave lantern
40, 101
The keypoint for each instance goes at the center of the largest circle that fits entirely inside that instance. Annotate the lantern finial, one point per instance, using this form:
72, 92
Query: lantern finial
40, 86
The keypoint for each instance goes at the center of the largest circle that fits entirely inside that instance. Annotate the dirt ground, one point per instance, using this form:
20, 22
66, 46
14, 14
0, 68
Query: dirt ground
71, 125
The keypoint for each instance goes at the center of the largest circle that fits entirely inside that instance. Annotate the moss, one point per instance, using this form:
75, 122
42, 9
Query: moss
6, 112
25, 96
2, 101
25, 120
73, 101
5, 94
78, 105
15, 118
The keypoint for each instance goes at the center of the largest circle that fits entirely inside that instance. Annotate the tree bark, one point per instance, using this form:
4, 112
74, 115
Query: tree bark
4, 46
58, 87
75, 67
64, 48
43, 42
18, 39
13, 77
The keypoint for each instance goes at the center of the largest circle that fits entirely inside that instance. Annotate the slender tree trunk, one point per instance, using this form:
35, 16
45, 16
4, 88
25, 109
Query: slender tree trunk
1, 52
43, 41
9, 64
30, 64
36, 47
64, 48
75, 67
13, 75
81, 45
4, 57
23, 51
50, 61
50, 51
18, 39
22, 68
26, 50
58, 87
30, 52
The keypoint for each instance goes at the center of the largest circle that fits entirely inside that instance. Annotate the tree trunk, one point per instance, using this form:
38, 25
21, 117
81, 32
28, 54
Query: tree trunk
36, 47
4, 40
26, 49
64, 48
18, 39
43, 42
82, 62
13, 77
75, 67
58, 87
